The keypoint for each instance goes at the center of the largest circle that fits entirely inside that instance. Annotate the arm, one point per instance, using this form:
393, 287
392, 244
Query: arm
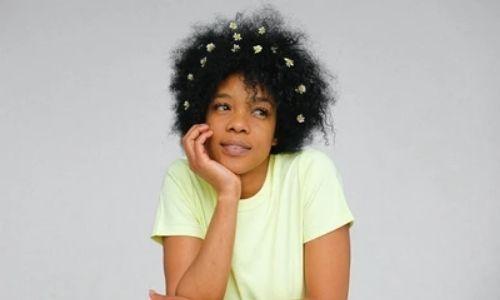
327, 264
155, 296
204, 266
178, 254
207, 276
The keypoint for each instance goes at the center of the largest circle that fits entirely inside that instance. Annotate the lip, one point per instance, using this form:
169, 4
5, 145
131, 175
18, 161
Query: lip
234, 150
235, 147
236, 143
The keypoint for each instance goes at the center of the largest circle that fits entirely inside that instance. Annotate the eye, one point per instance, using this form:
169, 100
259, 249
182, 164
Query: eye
217, 105
263, 112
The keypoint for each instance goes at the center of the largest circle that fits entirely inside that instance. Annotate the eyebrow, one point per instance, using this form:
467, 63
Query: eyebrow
263, 99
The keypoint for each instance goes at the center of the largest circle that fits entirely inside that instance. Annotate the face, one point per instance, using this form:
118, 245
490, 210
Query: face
243, 129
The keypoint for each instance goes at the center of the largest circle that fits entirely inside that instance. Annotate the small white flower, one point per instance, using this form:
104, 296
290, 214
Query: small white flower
261, 30
300, 118
236, 47
210, 47
257, 49
301, 89
237, 36
203, 61
233, 25
274, 48
289, 62
190, 76
186, 105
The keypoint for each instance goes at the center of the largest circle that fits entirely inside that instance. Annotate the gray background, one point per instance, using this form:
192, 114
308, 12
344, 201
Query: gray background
84, 115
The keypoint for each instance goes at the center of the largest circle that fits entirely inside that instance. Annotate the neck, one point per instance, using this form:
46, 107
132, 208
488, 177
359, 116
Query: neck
253, 181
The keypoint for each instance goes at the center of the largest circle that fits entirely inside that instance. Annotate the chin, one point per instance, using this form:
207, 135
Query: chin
237, 167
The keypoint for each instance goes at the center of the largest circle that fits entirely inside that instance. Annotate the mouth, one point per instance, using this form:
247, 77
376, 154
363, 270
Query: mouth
235, 149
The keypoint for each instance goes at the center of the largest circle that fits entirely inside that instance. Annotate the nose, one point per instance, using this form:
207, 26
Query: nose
238, 122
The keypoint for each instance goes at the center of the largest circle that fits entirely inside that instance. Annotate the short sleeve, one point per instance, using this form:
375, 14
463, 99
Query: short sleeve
325, 208
175, 213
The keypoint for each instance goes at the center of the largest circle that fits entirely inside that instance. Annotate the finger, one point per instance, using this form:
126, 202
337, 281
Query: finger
155, 296
152, 295
190, 137
189, 133
195, 127
200, 151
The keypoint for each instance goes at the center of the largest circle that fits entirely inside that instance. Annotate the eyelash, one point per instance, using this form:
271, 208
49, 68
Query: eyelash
265, 112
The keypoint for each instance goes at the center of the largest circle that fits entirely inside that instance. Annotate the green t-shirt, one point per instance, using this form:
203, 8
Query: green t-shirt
301, 199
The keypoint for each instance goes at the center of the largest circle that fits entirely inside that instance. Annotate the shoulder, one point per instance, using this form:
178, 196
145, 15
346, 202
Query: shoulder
316, 169
179, 171
179, 178
308, 163
305, 156
179, 165
311, 155
312, 161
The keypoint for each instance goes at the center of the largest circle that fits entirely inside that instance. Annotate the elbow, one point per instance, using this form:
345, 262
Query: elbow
191, 297
187, 293
190, 288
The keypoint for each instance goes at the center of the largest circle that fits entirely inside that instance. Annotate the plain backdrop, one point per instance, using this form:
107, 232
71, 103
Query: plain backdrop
84, 120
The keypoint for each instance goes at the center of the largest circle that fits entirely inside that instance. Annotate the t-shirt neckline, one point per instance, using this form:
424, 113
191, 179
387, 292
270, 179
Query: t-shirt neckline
262, 194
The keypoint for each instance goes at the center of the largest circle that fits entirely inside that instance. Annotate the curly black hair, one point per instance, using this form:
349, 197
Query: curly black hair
268, 55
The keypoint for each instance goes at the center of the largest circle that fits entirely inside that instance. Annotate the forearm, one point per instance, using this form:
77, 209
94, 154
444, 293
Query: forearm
207, 276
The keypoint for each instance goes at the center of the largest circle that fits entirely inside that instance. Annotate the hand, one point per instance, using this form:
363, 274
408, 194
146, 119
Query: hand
154, 296
225, 182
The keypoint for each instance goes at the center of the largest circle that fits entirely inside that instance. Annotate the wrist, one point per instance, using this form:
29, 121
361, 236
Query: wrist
228, 198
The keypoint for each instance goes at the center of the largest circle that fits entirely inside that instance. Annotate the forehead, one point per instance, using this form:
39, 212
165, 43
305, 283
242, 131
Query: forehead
247, 99
234, 87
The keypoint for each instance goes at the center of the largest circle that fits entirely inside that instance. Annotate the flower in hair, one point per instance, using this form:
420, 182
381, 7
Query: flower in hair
301, 89
210, 47
274, 48
288, 62
235, 48
203, 61
190, 76
237, 36
261, 30
257, 49
233, 25
186, 105
300, 118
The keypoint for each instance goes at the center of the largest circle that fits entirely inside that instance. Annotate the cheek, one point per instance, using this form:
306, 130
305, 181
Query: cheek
270, 132
216, 129
216, 135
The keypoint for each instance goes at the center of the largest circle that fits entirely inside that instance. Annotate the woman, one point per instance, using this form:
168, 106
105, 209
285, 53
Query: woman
249, 213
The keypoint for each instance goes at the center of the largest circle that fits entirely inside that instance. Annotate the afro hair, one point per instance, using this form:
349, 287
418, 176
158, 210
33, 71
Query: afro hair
268, 55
